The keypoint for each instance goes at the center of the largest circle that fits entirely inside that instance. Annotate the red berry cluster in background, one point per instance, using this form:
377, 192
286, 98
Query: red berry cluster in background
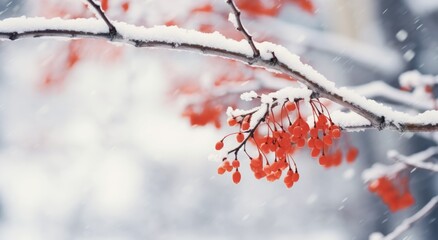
273, 7
105, 5
394, 192
278, 134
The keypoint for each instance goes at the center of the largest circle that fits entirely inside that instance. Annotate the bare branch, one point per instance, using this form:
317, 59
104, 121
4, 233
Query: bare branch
408, 222
242, 29
379, 116
99, 10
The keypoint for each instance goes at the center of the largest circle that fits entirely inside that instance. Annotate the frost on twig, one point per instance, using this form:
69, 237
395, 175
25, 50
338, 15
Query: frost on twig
407, 223
237, 22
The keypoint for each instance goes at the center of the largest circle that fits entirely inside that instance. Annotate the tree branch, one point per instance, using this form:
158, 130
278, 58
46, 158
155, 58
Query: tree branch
99, 10
242, 29
417, 160
408, 222
402, 163
215, 44
383, 90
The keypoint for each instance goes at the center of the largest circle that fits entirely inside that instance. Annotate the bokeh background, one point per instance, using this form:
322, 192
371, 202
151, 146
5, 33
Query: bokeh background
104, 153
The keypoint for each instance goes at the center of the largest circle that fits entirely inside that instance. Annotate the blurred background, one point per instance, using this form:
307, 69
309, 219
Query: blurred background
93, 144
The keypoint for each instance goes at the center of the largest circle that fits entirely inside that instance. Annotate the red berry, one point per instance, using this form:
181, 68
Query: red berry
245, 125
240, 137
327, 140
104, 5
296, 177
314, 133
301, 142
289, 184
318, 143
231, 122
125, 6
336, 133
297, 131
290, 106
236, 177
219, 145
323, 160
267, 169
260, 175
315, 152
221, 170
311, 143
352, 154
227, 166
235, 163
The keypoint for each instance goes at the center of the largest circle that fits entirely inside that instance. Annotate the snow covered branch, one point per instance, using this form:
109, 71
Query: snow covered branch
272, 57
408, 222
383, 90
417, 160
402, 162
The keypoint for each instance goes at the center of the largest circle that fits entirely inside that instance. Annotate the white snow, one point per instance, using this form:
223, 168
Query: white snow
422, 7
401, 35
379, 170
414, 78
409, 55
291, 93
248, 96
258, 115
350, 119
382, 89
233, 20
348, 175
376, 236
166, 34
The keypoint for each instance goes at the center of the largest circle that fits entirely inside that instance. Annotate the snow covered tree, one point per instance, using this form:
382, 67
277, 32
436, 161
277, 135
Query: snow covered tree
294, 112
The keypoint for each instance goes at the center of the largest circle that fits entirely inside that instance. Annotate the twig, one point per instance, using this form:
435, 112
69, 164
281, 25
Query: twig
402, 163
242, 29
383, 90
379, 116
408, 222
417, 160
251, 131
97, 7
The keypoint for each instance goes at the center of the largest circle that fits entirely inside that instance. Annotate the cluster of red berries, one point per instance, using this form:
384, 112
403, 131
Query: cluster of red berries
228, 167
285, 132
395, 196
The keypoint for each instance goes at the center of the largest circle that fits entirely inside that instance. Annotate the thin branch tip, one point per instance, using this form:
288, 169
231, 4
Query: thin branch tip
111, 29
241, 28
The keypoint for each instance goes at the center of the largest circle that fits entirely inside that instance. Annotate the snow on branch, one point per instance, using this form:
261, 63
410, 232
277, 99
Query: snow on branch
272, 57
416, 160
407, 223
383, 90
